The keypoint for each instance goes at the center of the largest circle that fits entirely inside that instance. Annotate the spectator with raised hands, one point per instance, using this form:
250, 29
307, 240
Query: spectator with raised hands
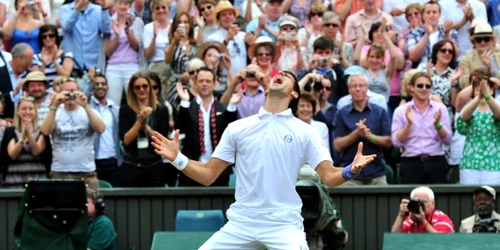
480, 162
358, 23
199, 121
342, 51
312, 26
420, 128
291, 58
230, 34
413, 15
24, 25
483, 54
206, 22
155, 39
421, 39
22, 147
267, 24
265, 53
84, 24
399, 10
362, 121
72, 124
137, 119
52, 60
183, 48
124, 50
215, 56
253, 94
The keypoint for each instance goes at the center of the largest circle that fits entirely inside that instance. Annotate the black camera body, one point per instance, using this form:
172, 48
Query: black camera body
486, 226
414, 206
318, 86
71, 96
250, 74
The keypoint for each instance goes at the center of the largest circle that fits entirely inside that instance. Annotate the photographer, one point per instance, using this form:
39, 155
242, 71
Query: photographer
419, 214
485, 220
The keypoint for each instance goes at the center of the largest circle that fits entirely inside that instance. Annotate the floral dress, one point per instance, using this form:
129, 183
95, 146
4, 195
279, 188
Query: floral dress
482, 146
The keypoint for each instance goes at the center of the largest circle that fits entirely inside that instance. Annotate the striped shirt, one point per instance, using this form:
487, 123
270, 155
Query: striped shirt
50, 69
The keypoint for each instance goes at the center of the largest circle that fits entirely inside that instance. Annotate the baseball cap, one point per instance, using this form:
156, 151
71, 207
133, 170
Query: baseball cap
354, 69
486, 189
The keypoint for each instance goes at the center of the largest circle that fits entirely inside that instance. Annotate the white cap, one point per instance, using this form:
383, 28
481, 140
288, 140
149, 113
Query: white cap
486, 189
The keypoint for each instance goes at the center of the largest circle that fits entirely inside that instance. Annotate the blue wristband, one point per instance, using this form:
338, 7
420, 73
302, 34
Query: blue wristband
346, 173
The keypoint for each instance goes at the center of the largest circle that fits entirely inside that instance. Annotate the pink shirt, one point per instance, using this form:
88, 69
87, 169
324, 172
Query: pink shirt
124, 53
395, 88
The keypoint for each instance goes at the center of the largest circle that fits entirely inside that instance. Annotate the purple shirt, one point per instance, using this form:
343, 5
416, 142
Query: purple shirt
123, 53
423, 138
250, 104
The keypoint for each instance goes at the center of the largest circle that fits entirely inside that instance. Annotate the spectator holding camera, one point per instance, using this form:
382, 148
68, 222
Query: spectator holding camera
480, 162
265, 53
253, 94
322, 62
486, 220
419, 215
362, 121
420, 128
215, 57
203, 121
72, 124
291, 58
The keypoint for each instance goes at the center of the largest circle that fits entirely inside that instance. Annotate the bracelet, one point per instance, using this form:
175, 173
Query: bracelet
180, 162
347, 174
372, 138
487, 97
439, 126
52, 108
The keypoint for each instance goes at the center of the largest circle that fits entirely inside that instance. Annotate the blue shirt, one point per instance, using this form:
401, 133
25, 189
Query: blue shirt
83, 32
493, 12
252, 25
377, 121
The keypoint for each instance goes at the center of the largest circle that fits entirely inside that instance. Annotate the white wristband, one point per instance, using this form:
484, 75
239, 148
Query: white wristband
180, 162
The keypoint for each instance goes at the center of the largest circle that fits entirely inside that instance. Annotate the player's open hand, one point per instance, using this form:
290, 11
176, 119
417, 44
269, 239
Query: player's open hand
164, 147
360, 160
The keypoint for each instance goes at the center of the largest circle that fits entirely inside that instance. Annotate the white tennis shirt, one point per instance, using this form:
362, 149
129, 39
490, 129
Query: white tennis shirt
269, 151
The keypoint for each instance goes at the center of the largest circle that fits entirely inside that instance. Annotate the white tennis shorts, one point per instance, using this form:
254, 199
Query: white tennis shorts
274, 231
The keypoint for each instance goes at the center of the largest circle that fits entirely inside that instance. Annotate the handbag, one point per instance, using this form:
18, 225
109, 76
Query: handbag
82, 78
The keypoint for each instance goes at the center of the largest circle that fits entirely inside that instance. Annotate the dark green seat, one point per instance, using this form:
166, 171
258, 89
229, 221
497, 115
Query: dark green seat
179, 240
105, 184
389, 174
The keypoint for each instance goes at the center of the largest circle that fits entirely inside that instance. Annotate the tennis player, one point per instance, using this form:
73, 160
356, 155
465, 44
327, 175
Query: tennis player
269, 149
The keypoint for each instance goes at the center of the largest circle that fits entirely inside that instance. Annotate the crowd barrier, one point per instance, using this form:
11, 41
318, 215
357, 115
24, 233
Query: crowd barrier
367, 212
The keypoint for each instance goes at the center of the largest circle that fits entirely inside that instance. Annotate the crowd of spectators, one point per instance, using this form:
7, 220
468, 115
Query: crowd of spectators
84, 84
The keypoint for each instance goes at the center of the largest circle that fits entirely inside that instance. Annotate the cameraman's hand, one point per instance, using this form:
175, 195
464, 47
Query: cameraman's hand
403, 207
81, 99
60, 98
419, 218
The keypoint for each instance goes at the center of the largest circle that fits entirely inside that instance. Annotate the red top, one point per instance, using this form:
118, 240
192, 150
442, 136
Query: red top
439, 220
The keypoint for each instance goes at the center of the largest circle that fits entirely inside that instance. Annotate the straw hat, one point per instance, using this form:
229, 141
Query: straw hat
262, 40
36, 76
225, 5
206, 45
482, 29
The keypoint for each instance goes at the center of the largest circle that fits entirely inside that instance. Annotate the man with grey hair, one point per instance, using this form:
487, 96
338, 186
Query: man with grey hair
420, 214
12, 74
362, 121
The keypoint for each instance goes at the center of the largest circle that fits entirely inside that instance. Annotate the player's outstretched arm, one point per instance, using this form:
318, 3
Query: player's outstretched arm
203, 173
333, 176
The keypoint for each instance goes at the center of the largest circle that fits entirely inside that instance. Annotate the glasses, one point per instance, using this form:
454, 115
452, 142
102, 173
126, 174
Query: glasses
264, 54
156, 87
421, 86
331, 25
27, 98
161, 7
481, 39
313, 14
48, 36
446, 51
209, 7
143, 86
412, 14
192, 72
104, 84
327, 88
288, 28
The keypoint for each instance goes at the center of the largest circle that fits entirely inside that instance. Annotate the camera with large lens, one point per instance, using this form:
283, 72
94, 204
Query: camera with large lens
318, 86
486, 226
414, 206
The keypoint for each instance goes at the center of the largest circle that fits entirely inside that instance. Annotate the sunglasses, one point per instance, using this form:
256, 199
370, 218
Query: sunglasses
331, 25
313, 14
446, 51
104, 84
156, 87
192, 72
421, 86
160, 7
413, 14
481, 39
48, 36
209, 7
327, 88
139, 87
264, 54
288, 28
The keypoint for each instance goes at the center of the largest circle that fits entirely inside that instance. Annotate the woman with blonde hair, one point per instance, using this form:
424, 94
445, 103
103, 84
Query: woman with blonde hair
142, 115
22, 146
